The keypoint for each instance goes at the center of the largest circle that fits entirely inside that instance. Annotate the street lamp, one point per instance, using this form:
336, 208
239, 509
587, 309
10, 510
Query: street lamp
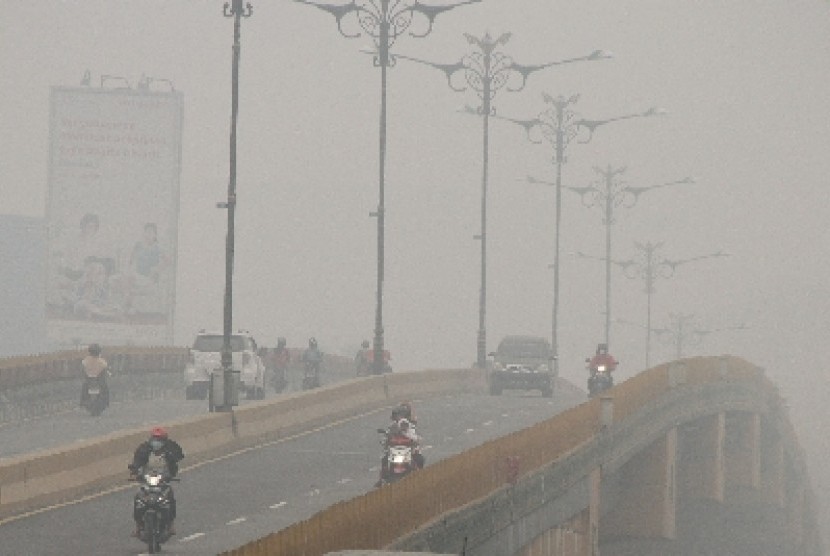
384, 21
650, 266
611, 192
682, 329
559, 126
486, 71
237, 12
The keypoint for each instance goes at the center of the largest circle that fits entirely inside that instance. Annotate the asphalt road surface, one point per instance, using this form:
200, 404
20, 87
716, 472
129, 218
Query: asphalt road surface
229, 501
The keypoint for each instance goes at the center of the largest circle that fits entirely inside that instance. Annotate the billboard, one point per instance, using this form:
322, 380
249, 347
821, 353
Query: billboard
112, 216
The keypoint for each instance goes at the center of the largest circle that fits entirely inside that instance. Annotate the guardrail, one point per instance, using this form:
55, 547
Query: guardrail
469, 478
52, 476
16, 372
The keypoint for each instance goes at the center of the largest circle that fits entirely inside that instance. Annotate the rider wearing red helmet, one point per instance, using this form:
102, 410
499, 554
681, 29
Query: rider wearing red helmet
157, 451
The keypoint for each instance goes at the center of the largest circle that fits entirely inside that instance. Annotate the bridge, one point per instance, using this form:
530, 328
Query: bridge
697, 455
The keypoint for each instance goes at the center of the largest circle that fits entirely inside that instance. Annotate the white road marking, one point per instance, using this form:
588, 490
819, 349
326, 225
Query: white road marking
235, 521
469, 431
488, 423
344, 480
191, 537
278, 505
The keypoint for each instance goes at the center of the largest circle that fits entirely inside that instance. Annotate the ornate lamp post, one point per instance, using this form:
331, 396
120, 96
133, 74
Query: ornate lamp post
650, 266
237, 12
486, 71
682, 329
559, 125
608, 193
384, 21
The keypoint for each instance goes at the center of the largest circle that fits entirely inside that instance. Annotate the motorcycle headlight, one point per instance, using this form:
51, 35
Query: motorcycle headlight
601, 368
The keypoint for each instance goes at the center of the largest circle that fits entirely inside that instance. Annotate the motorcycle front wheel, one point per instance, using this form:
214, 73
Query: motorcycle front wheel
150, 532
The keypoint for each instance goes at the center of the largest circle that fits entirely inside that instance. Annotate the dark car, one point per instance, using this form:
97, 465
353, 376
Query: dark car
522, 363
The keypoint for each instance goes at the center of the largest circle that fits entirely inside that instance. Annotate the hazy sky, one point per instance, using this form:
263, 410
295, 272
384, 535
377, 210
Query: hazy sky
744, 83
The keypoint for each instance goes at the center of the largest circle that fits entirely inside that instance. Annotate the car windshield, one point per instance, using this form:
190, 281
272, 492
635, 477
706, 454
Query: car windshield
536, 350
213, 342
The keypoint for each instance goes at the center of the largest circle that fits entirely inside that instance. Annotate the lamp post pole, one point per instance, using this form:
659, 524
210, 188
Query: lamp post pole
559, 126
384, 21
486, 71
611, 192
237, 12
650, 266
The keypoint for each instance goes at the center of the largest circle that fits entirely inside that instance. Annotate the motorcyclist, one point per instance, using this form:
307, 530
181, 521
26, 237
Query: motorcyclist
602, 357
276, 361
95, 370
161, 453
398, 430
312, 356
363, 360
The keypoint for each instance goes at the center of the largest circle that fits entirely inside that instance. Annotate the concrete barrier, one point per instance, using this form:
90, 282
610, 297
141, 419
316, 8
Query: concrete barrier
65, 473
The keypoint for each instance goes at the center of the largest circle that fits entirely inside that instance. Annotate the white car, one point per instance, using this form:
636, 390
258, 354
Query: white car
206, 356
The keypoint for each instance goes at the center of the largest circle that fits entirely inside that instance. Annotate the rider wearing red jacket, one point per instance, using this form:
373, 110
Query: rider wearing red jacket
602, 357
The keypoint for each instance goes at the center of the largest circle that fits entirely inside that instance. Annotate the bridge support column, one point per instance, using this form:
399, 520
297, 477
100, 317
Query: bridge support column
772, 465
742, 451
579, 536
648, 500
701, 469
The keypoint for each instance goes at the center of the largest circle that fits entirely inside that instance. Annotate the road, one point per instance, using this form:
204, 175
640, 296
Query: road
227, 502
76, 424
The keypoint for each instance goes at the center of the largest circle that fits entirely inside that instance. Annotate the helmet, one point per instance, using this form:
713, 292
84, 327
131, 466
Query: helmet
312, 342
159, 432
280, 342
95, 349
402, 411
365, 344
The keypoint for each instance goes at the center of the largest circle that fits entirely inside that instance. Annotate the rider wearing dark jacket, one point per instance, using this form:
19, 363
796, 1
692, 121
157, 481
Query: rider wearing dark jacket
164, 451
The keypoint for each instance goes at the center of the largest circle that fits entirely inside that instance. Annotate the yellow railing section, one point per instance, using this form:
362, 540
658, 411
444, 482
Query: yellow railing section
380, 517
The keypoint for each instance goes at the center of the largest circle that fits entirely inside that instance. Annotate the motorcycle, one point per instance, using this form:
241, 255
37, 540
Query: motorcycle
599, 381
153, 503
397, 461
95, 400
311, 376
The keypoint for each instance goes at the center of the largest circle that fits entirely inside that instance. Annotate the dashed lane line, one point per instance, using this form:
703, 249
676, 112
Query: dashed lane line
192, 537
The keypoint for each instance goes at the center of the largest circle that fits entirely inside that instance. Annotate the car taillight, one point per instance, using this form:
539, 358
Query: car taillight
246, 358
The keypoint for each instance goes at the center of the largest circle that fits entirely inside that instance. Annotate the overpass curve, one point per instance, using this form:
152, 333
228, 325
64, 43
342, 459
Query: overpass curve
641, 471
